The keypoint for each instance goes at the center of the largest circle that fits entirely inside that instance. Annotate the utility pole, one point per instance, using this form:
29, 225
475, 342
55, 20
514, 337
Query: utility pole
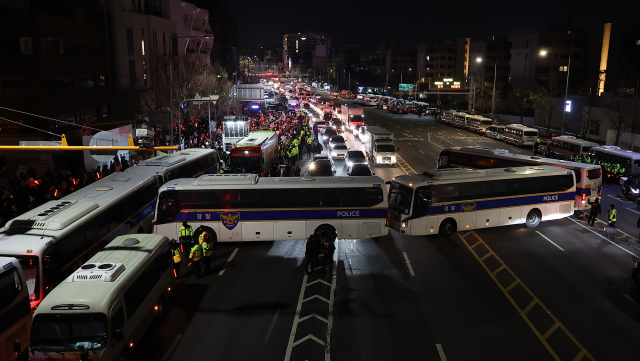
493, 100
566, 92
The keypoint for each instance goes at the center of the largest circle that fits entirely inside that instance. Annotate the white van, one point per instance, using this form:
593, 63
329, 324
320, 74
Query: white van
519, 135
106, 305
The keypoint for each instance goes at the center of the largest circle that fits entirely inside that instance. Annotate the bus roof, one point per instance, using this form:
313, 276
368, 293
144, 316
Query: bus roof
237, 181
505, 154
255, 138
132, 251
175, 158
520, 126
610, 149
573, 140
465, 175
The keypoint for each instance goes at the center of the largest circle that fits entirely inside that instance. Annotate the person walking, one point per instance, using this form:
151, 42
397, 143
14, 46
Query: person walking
177, 257
613, 213
207, 251
328, 248
196, 257
311, 253
596, 209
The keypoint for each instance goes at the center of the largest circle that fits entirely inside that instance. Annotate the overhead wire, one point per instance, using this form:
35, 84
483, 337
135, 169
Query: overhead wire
28, 126
55, 120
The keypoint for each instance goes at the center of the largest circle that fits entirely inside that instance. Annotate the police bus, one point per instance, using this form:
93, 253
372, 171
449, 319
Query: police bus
15, 311
478, 124
627, 159
447, 200
254, 153
588, 176
569, 146
244, 207
460, 120
519, 135
53, 240
105, 306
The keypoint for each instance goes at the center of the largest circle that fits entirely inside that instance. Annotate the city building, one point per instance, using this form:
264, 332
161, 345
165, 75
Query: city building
224, 25
300, 49
487, 56
443, 59
194, 35
54, 63
401, 66
542, 58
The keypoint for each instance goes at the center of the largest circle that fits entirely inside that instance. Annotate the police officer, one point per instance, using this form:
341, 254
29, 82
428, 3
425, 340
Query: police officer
196, 257
186, 233
327, 249
311, 253
207, 250
613, 213
595, 211
176, 255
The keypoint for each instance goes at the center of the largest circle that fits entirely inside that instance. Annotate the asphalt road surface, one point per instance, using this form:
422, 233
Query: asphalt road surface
561, 291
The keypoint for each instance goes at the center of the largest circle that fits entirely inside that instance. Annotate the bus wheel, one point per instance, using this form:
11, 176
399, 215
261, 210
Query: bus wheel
533, 218
447, 227
326, 233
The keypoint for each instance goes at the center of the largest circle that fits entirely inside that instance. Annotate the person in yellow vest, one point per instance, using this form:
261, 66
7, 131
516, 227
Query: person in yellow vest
196, 258
613, 215
186, 233
207, 250
176, 255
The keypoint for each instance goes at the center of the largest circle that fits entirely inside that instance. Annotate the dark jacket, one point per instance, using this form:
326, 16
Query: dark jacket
595, 208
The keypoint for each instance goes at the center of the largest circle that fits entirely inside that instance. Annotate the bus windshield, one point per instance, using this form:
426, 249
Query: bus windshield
29, 266
400, 198
68, 332
530, 134
246, 165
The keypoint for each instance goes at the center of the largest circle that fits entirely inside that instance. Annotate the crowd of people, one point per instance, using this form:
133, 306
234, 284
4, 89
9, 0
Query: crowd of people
24, 189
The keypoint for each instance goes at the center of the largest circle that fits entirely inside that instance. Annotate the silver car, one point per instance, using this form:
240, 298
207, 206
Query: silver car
339, 151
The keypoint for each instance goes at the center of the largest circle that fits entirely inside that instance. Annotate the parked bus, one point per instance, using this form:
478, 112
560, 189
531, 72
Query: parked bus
627, 159
570, 146
519, 135
15, 311
105, 306
447, 200
460, 120
53, 240
243, 207
588, 176
255, 153
478, 124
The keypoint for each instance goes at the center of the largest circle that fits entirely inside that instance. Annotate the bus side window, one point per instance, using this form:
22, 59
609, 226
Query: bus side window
117, 324
421, 202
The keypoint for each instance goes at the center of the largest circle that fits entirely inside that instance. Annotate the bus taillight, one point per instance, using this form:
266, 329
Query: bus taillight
387, 221
583, 197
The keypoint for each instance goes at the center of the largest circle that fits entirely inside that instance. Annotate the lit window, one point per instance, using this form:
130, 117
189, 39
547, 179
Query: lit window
563, 68
142, 37
428, 55
637, 42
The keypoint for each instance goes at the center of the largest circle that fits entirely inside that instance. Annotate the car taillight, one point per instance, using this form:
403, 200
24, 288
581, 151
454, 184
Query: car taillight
583, 197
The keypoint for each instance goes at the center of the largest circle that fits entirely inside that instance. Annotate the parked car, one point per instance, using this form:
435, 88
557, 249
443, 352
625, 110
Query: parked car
322, 168
359, 169
336, 139
327, 135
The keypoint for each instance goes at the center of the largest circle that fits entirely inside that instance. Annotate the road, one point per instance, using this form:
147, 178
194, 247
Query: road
559, 291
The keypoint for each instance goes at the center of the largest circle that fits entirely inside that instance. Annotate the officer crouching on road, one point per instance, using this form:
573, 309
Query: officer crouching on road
196, 257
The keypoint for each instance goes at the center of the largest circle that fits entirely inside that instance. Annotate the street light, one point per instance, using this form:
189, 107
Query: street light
566, 89
495, 75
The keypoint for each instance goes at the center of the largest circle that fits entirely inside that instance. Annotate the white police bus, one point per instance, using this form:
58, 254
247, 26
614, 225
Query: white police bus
105, 306
519, 135
447, 200
627, 159
15, 311
588, 176
244, 207
569, 146
53, 240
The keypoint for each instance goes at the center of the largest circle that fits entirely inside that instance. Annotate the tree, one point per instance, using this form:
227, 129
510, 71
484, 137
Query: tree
618, 117
543, 101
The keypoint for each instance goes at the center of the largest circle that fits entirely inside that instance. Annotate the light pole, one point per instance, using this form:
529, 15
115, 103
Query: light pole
566, 89
493, 98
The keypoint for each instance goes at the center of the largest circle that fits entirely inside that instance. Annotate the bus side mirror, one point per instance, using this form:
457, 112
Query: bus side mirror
118, 336
17, 346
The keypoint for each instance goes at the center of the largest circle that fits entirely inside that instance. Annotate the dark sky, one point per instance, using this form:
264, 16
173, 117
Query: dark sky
263, 23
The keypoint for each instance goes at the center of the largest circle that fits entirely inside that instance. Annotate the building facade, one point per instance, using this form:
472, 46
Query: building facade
489, 59
300, 49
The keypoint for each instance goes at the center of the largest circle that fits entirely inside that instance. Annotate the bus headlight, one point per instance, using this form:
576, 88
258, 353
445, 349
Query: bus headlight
404, 224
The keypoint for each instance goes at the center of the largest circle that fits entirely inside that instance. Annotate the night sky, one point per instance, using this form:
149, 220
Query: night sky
263, 23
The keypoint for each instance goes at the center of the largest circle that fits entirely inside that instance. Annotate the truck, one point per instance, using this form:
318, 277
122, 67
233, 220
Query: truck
352, 116
378, 145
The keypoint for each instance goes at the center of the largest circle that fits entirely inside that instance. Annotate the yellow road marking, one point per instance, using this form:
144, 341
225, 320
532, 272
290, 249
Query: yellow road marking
503, 267
404, 165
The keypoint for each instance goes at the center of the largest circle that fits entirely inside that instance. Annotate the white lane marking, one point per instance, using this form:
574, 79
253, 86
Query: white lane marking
409, 143
228, 261
634, 211
173, 346
419, 128
618, 199
631, 299
429, 139
603, 237
441, 352
550, 241
420, 151
406, 258
398, 126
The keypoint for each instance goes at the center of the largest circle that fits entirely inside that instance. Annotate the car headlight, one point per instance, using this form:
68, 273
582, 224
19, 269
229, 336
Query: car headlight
635, 190
312, 166
379, 158
349, 164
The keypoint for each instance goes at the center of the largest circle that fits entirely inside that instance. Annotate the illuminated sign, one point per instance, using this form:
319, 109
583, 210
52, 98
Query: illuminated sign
446, 84
567, 106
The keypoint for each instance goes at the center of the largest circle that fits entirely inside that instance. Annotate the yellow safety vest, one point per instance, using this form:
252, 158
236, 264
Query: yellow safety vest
196, 253
206, 247
186, 231
612, 215
177, 257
